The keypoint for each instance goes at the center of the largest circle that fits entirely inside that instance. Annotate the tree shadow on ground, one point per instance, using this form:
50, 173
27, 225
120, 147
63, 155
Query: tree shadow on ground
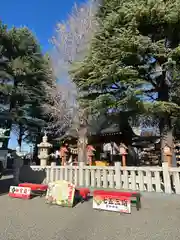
8, 172
27, 174
5, 185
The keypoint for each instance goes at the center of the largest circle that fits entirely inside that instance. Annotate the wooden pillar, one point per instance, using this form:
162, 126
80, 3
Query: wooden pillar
90, 160
123, 153
124, 160
63, 154
76, 161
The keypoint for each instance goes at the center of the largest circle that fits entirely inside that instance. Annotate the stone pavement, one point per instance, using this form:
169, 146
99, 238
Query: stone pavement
34, 220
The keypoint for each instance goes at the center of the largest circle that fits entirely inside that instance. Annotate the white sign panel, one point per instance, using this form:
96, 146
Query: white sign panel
115, 205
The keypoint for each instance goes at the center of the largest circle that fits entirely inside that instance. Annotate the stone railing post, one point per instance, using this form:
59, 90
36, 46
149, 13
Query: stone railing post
118, 175
81, 173
166, 178
52, 172
53, 164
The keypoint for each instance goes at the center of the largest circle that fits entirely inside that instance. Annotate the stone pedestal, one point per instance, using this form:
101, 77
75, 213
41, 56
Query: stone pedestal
43, 162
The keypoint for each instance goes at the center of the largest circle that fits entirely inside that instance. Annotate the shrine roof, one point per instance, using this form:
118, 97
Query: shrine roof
99, 127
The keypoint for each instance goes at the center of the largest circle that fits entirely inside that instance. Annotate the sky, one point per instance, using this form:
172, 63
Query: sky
41, 16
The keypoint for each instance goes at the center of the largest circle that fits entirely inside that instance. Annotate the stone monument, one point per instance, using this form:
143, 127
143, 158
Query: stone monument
18, 157
44, 147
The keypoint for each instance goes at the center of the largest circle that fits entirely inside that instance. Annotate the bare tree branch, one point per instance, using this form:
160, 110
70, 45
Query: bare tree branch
71, 43
59, 106
73, 37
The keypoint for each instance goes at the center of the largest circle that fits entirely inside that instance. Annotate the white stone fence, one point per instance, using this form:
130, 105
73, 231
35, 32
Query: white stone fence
149, 179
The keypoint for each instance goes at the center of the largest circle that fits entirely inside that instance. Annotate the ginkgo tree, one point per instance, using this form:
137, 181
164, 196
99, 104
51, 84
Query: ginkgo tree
71, 43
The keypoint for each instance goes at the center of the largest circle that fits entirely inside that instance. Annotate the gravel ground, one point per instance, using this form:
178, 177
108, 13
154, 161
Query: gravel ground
34, 220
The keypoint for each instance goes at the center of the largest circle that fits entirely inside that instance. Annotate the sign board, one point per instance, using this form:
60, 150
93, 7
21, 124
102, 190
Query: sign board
115, 204
20, 192
61, 193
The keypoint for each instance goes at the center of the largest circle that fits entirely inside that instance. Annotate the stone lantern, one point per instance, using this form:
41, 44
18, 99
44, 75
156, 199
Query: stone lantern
44, 147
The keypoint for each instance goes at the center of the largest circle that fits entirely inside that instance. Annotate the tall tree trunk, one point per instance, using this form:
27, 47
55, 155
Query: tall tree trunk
82, 144
165, 123
35, 152
20, 137
127, 136
166, 132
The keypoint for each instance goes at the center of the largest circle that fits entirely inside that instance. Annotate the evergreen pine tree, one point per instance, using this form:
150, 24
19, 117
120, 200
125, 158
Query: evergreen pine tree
23, 68
134, 61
